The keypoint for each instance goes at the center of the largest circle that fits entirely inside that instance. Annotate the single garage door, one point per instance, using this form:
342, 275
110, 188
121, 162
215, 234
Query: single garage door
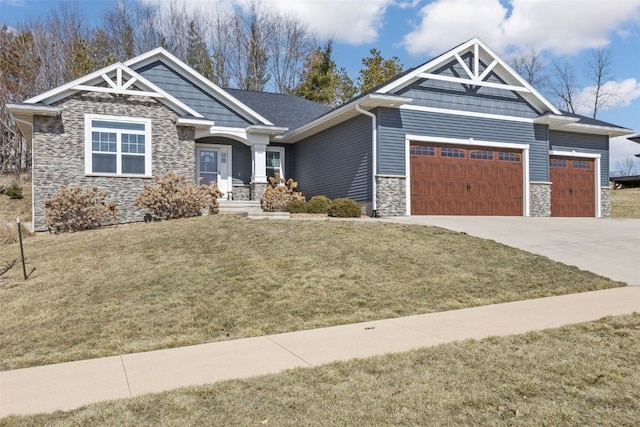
572, 186
458, 180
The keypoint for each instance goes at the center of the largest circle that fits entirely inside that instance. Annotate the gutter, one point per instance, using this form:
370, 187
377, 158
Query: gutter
374, 158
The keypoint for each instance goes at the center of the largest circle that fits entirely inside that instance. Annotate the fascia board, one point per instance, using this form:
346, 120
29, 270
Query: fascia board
67, 89
61, 90
347, 111
593, 129
202, 82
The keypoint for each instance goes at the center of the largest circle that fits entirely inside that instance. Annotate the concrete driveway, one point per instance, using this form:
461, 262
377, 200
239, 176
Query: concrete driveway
608, 247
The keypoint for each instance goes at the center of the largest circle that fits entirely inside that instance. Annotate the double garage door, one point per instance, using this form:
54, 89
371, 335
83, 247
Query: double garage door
457, 180
461, 180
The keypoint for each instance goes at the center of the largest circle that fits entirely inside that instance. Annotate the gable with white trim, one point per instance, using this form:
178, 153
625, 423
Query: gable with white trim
471, 78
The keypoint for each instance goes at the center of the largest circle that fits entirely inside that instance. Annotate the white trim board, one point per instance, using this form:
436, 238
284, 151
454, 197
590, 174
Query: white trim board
466, 113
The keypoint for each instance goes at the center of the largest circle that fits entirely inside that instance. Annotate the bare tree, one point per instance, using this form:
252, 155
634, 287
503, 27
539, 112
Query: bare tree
530, 66
599, 71
627, 167
291, 43
563, 86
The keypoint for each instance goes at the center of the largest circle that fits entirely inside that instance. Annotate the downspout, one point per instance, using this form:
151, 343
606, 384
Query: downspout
374, 159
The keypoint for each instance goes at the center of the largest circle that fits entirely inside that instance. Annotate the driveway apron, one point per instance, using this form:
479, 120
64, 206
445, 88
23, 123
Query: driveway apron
608, 247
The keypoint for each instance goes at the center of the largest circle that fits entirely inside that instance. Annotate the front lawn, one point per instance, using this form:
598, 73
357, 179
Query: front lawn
149, 286
583, 375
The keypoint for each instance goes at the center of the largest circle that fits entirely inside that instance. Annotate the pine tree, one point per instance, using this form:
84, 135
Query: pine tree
378, 70
322, 82
198, 54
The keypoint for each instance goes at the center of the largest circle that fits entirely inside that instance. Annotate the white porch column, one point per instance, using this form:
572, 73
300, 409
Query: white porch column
259, 163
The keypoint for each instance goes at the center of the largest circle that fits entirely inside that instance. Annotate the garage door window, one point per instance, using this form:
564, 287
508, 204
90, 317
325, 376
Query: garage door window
422, 150
558, 163
482, 155
507, 156
451, 152
581, 164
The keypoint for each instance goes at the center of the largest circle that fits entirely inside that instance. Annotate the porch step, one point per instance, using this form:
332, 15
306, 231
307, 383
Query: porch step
248, 208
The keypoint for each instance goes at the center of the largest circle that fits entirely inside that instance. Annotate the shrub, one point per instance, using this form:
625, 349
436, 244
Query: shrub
344, 208
297, 206
173, 197
14, 191
279, 194
319, 204
78, 209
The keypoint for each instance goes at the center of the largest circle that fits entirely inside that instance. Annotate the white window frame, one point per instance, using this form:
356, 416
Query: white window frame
88, 149
281, 151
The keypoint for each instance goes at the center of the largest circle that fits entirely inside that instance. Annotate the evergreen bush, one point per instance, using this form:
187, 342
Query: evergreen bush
319, 204
344, 208
297, 206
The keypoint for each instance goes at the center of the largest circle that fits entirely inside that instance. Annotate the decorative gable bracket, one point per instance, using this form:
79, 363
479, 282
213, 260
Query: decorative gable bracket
476, 76
123, 85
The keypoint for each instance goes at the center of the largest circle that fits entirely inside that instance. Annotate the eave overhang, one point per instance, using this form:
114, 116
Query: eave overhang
23, 115
195, 122
344, 113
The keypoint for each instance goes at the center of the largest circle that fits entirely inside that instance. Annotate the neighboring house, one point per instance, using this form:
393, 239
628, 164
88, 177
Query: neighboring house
628, 181
462, 134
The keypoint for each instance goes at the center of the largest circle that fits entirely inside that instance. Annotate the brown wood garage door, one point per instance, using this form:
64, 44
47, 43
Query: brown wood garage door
453, 180
573, 185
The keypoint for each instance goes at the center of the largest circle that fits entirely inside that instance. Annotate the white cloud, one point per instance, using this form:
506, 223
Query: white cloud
562, 26
353, 22
625, 91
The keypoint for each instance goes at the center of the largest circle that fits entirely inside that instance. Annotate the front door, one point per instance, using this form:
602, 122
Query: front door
214, 166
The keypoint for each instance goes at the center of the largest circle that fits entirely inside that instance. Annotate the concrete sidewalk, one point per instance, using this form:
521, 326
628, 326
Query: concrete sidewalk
67, 386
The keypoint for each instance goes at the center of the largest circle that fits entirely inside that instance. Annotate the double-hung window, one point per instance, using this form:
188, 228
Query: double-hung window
117, 145
275, 161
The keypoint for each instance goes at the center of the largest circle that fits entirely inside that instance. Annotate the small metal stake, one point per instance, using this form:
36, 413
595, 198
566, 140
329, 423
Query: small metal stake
24, 268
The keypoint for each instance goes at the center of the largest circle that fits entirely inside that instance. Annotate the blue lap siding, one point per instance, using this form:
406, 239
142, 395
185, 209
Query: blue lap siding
188, 92
394, 124
336, 162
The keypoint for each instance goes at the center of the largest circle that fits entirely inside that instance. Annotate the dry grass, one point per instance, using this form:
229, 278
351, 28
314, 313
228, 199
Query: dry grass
586, 374
150, 286
12, 208
625, 203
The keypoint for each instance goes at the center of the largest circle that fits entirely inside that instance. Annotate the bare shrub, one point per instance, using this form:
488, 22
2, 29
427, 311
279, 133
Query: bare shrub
9, 232
77, 209
173, 197
279, 194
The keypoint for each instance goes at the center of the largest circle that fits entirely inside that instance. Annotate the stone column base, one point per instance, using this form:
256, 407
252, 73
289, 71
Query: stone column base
605, 202
391, 195
257, 190
540, 199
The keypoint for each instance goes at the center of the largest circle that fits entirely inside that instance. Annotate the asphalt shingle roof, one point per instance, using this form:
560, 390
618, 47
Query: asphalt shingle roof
281, 109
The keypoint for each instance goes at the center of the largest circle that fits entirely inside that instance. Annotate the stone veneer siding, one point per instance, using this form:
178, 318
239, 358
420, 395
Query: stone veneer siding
241, 192
257, 190
605, 202
59, 150
540, 199
391, 195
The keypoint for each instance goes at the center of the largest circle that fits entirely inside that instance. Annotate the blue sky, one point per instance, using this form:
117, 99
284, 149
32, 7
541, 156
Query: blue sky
417, 30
